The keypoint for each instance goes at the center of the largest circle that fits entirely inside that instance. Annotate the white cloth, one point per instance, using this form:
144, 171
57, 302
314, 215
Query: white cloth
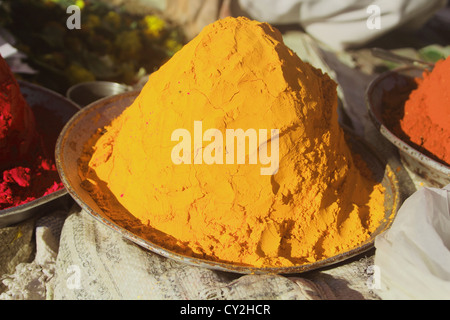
413, 256
87, 260
341, 24
34, 280
94, 262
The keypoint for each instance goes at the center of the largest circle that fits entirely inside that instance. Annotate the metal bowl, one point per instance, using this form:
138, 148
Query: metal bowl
86, 93
399, 83
81, 127
44, 103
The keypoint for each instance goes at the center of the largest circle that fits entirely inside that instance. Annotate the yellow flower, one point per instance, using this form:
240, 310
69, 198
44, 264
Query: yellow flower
153, 25
172, 46
65, 3
79, 3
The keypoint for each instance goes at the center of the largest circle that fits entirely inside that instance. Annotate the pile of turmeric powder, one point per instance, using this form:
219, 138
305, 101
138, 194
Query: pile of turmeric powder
238, 74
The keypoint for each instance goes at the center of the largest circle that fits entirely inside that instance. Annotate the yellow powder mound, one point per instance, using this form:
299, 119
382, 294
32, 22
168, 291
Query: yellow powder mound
238, 74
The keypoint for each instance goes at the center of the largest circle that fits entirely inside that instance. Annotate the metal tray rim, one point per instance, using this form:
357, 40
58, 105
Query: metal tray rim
221, 266
25, 211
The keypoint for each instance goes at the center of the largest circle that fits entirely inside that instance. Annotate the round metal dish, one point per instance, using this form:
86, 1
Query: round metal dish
86, 93
43, 102
399, 83
81, 127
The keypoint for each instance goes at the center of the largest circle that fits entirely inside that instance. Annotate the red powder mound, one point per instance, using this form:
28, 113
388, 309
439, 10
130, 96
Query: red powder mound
17, 124
427, 112
27, 171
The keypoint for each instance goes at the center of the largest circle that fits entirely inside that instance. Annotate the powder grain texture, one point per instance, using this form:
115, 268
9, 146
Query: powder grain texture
427, 113
27, 169
238, 74
17, 123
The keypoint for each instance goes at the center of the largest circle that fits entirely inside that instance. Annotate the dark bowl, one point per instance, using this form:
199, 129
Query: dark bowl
398, 84
44, 103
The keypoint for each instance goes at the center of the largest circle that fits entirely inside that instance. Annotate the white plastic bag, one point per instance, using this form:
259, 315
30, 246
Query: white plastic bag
413, 256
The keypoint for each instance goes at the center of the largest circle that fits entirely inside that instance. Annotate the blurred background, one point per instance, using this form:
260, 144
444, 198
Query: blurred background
124, 41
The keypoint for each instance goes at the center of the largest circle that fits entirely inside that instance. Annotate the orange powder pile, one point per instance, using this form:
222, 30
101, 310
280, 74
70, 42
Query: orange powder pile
238, 74
426, 119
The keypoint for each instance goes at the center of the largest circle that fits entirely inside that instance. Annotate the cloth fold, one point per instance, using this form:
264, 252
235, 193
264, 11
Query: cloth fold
414, 254
34, 280
110, 267
90, 261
